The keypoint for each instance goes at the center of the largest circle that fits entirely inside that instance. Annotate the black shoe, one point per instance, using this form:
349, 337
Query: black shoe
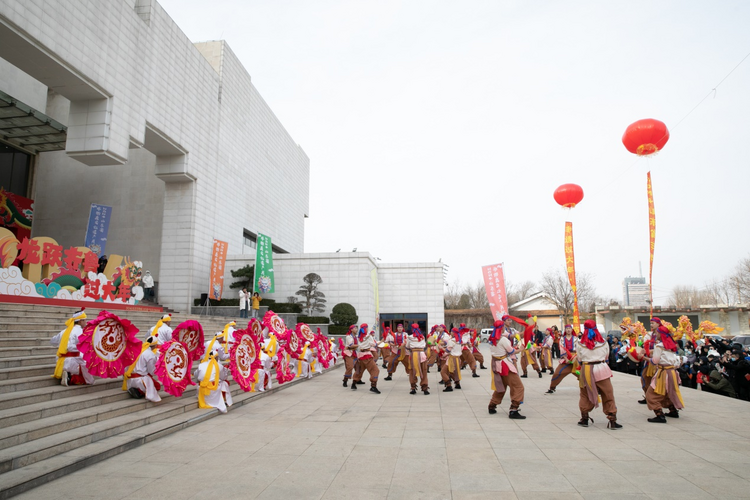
354, 386
385, 366
642, 401
672, 414
375, 390
360, 383
428, 370
426, 392
458, 386
482, 367
540, 374
612, 424
584, 422
658, 419
388, 377
448, 389
441, 383
551, 371
413, 391
492, 411
551, 391
474, 375
345, 382
136, 393
524, 376
515, 415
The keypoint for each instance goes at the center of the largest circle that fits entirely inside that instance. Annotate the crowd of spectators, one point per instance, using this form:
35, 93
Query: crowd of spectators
712, 365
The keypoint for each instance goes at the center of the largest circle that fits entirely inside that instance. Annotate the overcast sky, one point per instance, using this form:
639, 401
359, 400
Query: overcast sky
440, 129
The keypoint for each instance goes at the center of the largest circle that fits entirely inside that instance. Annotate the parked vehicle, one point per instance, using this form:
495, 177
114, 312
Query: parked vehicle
484, 334
743, 340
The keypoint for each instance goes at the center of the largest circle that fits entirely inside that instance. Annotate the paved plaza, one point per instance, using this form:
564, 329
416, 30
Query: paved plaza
319, 440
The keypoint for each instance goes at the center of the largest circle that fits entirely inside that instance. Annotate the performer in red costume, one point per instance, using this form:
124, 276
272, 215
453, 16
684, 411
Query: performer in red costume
568, 363
398, 352
504, 371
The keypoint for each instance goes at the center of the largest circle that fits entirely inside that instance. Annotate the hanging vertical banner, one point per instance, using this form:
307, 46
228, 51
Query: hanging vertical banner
652, 240
375, 291
218, 260
264, 282
570, 266
494, 286
96, 232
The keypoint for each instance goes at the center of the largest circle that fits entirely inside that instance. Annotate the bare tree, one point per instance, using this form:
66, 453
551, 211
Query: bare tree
740, 280
555, 284
517, 292
688, 296
452, 295
477, 296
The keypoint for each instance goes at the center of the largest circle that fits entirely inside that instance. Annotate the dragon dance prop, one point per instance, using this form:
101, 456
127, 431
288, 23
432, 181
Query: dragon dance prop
284, 372
244, 358
173, 367
190, 333
305, 332
274, 324
255, 327
109, 345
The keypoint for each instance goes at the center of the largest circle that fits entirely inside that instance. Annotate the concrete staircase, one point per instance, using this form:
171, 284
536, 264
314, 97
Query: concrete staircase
47, 430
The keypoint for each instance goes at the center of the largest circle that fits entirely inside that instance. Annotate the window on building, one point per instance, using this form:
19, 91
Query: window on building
14, 170
251, 241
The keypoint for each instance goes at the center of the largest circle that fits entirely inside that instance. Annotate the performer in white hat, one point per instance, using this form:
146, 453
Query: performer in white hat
162, 332
213, 391
71, 367
140, 380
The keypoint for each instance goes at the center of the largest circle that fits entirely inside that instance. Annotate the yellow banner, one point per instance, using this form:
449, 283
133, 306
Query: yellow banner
570, 265
652, 240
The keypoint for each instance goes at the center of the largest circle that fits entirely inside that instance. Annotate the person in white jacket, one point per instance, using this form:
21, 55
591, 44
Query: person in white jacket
244, 302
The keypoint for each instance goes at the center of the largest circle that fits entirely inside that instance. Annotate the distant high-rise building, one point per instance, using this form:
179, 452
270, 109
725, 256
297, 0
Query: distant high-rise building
635, 291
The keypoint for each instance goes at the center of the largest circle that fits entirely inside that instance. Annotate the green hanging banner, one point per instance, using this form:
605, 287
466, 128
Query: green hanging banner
263, 282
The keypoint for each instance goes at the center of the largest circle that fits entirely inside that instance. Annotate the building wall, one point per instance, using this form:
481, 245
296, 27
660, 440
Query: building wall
347, 277
134, 81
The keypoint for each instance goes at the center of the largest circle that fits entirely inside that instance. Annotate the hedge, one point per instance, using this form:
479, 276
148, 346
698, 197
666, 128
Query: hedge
233, 302
313, 320
284, 307
337, 329
344, 314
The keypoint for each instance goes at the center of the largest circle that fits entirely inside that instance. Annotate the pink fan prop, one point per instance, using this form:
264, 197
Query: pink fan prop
173, 367
255, 327
109, 346
274, 323
323, 346
305, 332
190, 333
283, 369
244, 360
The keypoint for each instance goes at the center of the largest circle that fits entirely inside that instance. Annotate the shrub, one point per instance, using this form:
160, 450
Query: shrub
344, 314
313, 320
337, 329
284, 307
232, 302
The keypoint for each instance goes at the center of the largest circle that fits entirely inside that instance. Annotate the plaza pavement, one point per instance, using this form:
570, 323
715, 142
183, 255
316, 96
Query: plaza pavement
319, 440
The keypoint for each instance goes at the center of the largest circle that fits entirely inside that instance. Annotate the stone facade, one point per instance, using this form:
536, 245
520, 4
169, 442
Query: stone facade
348, 277
172, 134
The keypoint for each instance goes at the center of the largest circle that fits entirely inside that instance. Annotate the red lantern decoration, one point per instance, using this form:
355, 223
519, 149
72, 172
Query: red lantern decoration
645, 137
569, 195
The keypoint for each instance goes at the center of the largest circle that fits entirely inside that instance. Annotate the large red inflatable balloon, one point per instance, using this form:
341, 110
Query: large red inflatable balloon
569, 195
645, 137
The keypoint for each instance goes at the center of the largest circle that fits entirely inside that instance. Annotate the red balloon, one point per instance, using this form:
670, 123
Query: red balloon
569, 195
645, 137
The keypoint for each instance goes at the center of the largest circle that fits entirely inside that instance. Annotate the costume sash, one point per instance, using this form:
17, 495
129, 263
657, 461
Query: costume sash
207, 385
401, 352
665, 382
497, 369
454, 365
62, 349
586, 380
301, 360
129, 372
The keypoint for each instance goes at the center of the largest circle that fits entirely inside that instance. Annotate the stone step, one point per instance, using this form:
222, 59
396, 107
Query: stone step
51, 407
23, 351
24, 342
25, 384
26, 372
53, 392
28, 476
16, 361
